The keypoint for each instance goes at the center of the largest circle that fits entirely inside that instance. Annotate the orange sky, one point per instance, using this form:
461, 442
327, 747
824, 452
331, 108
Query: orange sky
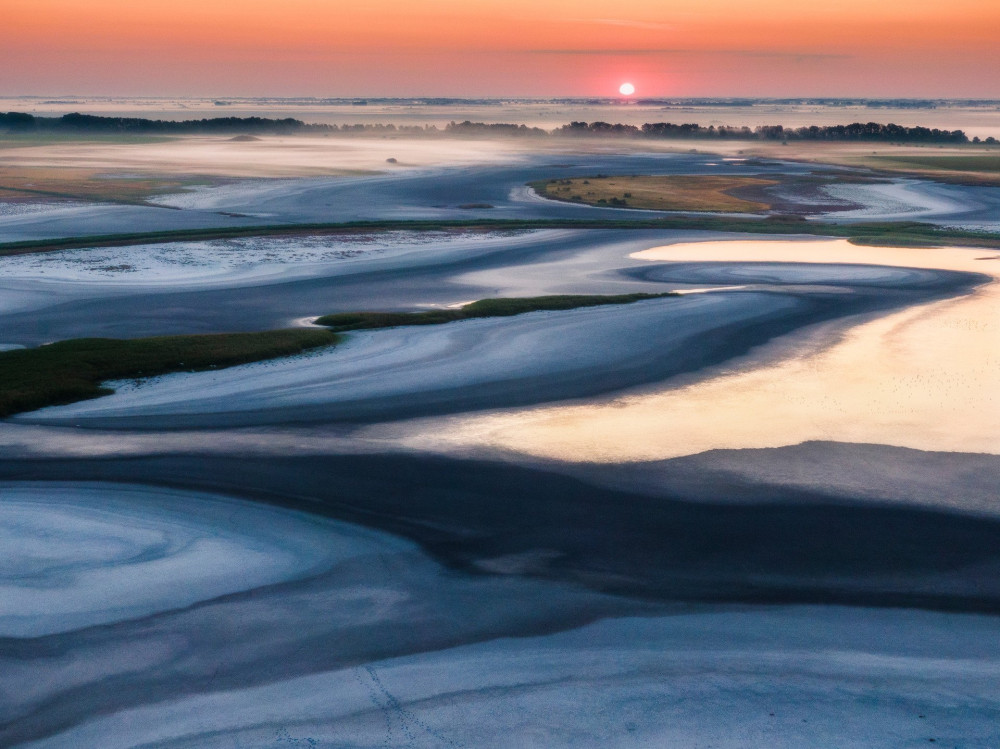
493, 48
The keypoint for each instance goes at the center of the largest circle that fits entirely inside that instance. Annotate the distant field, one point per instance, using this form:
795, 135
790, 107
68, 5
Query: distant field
35, 138
964, 164
989, 163
983, 168
658, 193
71, 183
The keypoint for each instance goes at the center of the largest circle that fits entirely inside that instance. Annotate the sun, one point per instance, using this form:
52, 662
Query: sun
626, 89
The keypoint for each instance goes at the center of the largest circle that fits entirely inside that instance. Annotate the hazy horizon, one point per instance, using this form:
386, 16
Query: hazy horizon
978, 118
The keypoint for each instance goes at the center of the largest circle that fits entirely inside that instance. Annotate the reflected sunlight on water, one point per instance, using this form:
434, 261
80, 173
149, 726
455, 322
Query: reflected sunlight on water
923, 378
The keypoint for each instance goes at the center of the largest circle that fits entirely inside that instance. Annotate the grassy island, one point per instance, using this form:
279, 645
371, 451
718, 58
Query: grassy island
672, 192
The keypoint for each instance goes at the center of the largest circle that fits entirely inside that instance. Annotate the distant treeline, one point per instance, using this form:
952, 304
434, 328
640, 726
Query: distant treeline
871, 131
88, 123
495, 128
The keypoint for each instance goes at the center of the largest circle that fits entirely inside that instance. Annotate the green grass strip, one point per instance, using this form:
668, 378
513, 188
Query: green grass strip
912, 233
73, 370
342, 322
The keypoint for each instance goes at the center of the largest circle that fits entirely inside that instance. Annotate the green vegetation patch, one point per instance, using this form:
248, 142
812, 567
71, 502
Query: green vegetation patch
674, 192
962, 165
74, 183
502, 307
980, 162
73, 370
971, 169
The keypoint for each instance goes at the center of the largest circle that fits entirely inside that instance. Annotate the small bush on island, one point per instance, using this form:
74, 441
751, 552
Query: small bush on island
342, 322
